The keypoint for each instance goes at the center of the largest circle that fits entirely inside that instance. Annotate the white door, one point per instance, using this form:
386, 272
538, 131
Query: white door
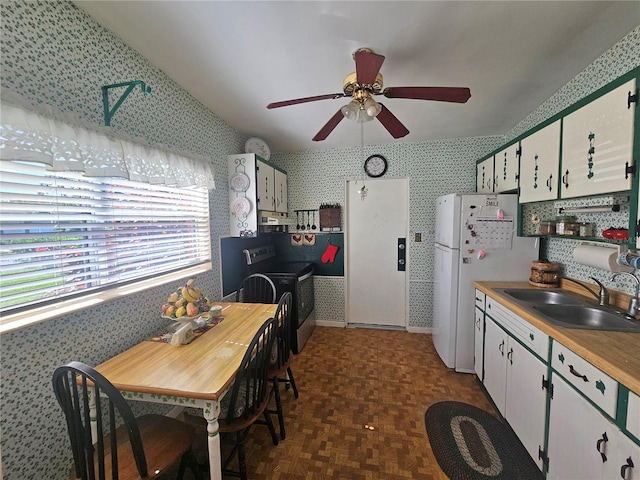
539, 164
576, 436
484, 176
478, 345
506, 169
526, 400
376, 285
495, 377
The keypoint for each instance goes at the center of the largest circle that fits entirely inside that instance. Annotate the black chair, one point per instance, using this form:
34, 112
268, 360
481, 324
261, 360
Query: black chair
141, 448
247, 400
280, 368
256, 288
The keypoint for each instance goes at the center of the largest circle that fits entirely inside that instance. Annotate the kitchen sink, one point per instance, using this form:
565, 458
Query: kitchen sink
543, 296
586, 317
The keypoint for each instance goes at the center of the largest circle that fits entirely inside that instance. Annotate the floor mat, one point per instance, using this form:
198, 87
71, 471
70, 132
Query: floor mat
471, 444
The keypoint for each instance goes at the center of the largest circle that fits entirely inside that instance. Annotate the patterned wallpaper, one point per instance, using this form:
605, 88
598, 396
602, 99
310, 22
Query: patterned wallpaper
54, 53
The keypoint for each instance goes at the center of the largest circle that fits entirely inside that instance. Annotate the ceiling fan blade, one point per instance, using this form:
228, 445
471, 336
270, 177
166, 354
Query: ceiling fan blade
367, 66
286, 103
391, 123
438, 94
329, 126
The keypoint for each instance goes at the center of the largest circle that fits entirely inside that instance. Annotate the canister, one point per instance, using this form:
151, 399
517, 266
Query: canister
567, 225
548, 227
586, 229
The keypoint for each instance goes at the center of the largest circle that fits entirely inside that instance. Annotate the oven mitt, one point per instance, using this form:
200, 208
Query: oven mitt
330, 253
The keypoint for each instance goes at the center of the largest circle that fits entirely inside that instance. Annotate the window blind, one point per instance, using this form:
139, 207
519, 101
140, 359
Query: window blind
63, 234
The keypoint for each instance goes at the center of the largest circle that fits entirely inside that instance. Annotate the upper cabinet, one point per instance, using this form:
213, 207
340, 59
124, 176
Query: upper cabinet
597, 145
484, 175
254, 185
506, 169
280, 194
539, 164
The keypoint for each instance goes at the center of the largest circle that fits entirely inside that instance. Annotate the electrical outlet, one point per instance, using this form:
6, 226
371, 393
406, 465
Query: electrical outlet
418, 237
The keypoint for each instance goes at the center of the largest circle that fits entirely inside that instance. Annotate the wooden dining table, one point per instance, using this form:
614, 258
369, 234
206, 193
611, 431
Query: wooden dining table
195, 375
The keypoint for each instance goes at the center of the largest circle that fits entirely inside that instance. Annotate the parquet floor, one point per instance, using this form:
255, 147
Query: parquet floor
360, 414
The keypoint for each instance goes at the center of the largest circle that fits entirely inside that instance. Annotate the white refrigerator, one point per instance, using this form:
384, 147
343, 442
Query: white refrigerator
475, 239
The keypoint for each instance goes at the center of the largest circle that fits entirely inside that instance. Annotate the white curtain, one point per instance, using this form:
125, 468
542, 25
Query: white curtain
64, 143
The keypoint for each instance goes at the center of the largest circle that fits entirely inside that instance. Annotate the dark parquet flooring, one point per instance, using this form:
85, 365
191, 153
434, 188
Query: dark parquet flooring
360, 414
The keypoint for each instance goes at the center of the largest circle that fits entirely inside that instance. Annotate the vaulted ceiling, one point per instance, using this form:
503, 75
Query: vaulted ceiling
238, 56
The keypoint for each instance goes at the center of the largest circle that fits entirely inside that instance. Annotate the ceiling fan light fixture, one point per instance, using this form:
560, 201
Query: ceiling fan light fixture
351, 110
372, 107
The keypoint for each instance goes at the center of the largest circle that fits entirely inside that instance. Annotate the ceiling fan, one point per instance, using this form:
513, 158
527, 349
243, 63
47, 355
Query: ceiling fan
366, 82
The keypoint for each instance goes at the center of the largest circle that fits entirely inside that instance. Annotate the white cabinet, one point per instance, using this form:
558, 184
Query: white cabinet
254, 185
539, 164
506, 169
513, 377
280, 193
484, 176
578, 436
266, 187
623, 460
597, 145
478, 346
584, 443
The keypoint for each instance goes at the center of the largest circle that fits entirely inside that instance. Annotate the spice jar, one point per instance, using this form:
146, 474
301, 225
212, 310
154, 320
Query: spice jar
586, 229
548, 227
567, 225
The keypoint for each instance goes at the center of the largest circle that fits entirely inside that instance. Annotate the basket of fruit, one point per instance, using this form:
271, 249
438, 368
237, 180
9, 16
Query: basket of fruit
185, 304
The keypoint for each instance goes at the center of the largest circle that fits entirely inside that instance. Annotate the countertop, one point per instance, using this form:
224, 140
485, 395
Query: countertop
615, 353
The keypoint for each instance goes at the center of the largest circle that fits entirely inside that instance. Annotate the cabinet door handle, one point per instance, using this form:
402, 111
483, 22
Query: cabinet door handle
565, 179
600, 448
549, 185
577, 374
501, 348
624, 468
510, 356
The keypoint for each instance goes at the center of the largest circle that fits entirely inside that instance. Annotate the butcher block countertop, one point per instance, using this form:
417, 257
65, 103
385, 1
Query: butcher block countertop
615, 353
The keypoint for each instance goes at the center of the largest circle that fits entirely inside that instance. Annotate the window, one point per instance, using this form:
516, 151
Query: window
63, 234
85, 211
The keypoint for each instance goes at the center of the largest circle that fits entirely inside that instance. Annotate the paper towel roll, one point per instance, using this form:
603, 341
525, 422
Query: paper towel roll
599, 256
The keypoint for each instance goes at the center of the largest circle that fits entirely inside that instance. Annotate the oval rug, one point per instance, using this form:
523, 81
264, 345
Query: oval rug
471, 444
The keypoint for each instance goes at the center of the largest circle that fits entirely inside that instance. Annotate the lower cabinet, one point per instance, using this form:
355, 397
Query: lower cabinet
513, 378
478, 350
583, 443
574, 419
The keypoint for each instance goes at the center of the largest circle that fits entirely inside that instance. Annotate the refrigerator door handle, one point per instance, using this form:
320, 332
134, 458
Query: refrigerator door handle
402, 254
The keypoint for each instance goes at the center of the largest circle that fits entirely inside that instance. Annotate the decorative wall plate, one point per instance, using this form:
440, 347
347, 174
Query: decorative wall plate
258, 146
241, 207
239, 182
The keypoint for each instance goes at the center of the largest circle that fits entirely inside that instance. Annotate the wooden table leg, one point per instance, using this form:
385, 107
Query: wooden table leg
211, 412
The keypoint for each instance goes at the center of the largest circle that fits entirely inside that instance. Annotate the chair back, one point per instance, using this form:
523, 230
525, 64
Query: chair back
249, 394
283, 319
76, 385
256, 288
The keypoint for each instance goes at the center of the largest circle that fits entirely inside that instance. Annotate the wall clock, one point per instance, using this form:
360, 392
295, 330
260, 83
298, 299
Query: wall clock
375, 166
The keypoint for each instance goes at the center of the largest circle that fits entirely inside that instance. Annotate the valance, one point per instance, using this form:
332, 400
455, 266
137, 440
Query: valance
64, 143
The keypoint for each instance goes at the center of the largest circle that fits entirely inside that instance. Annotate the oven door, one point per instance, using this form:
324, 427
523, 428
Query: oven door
305, 297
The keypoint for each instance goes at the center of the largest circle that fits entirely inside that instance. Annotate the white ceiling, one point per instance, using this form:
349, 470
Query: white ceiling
236, 57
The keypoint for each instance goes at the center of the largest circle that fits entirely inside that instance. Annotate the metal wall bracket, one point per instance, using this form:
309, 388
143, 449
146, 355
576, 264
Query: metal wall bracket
108, 113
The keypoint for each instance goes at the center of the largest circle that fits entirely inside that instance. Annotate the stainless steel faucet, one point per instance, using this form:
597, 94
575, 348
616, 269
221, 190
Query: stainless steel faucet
602, 296
634, 302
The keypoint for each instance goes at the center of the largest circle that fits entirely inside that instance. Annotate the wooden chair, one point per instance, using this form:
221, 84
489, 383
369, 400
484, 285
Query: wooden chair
247, 400
256, 288
141, 448
281, 364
